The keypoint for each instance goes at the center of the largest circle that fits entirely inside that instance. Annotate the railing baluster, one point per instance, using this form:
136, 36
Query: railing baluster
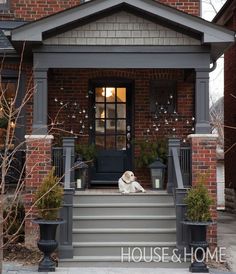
57, 161
185, 164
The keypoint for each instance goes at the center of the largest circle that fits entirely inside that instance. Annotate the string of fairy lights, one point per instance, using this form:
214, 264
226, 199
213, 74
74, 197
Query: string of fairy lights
73, 113
165, 120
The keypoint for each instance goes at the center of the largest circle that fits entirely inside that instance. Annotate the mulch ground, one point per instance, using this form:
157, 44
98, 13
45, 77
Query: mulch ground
19, 253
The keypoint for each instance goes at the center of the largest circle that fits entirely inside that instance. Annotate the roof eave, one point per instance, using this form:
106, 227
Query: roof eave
218, 49
34, 30
218, 37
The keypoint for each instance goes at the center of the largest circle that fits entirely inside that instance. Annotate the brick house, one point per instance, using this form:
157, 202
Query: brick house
137, 70
227, 17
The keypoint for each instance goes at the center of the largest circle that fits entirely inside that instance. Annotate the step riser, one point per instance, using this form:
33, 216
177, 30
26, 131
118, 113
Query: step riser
131, 264
84, 199
117, 251
124, 237
117, 205
128, 211
124, 223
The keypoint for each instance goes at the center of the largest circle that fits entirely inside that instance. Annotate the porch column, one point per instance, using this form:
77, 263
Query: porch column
204, 164
38, 164
38, 153
202, 102
40, 109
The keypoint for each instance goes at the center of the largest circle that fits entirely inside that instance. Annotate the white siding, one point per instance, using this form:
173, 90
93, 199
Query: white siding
220, 177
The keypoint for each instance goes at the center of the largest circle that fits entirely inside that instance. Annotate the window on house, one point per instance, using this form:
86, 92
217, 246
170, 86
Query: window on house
4, 4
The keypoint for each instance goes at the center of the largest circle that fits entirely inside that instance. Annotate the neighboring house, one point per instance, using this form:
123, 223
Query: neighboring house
217, 124
138, 70
227, 17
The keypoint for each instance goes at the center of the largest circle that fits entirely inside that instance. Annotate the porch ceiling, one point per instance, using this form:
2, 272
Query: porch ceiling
208, 33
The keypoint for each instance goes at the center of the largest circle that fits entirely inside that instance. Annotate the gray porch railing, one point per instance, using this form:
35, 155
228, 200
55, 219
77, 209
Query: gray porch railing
177, 164
58, 161
185, 165
63, 159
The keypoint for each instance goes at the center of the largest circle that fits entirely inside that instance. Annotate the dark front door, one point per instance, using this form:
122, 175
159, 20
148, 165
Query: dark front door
112, 129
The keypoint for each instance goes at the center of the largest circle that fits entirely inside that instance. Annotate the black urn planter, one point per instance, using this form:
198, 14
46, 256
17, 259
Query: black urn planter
47, 243
199, 244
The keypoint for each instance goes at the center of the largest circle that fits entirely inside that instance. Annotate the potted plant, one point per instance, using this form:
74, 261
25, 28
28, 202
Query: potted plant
153, 155
87, 152
198, 202
149, 151
48, 200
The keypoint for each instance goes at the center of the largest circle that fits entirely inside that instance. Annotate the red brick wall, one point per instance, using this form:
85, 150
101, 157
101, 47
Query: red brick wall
31, 10
204, 163
75, 87
230, 110
188, 6
38, 164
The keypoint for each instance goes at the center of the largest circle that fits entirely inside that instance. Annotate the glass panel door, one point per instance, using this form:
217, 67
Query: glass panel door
110, 117
112, 129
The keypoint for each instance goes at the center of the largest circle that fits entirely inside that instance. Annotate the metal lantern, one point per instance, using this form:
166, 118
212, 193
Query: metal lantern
157, 170
81, 173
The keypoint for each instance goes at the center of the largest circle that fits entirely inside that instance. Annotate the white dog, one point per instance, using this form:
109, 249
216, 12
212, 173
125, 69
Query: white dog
128, 184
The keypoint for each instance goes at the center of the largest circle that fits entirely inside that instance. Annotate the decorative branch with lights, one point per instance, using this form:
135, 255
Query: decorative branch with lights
165, 121
71, 114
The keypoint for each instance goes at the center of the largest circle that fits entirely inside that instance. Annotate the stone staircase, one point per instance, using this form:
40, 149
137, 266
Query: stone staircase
104, 224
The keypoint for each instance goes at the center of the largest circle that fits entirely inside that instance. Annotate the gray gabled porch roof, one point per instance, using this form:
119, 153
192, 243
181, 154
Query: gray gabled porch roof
217, 37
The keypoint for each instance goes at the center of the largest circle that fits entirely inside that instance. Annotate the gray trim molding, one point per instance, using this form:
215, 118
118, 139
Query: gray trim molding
136, 57
211, 33
40, 109
202, 125
121, 49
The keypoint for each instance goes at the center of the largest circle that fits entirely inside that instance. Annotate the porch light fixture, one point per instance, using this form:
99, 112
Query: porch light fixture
108, 92
81, 174
157, 170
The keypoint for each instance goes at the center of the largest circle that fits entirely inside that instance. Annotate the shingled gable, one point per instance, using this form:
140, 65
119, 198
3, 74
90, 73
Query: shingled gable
217, 37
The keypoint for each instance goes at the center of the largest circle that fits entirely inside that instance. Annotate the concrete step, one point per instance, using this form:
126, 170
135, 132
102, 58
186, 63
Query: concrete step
149, 197
127, 209
124, 221
115, 261
103, 223
124, 235
119, 248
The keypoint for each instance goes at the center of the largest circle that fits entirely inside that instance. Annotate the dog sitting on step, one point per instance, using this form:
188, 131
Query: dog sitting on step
128, 184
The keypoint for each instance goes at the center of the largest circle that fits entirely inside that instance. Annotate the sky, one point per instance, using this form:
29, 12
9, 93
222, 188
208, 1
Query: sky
209, 8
